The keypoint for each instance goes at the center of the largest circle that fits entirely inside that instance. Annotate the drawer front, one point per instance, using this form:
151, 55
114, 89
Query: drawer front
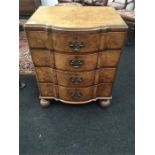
75, 79
39, 39
114, 40
47, 89
42, 57
104, 90
85, 93
105, 75
76, 62
75, 94
76, 41
46, 58
45, 74
109, 58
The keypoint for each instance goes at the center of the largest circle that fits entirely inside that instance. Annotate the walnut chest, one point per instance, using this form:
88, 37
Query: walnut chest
75, 51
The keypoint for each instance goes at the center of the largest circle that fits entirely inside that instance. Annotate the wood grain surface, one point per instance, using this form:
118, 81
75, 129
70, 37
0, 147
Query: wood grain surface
71, 17
75, 51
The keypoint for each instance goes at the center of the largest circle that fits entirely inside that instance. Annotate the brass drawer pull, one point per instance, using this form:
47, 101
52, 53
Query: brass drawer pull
76, 80
76, 63
76, 45
76, 95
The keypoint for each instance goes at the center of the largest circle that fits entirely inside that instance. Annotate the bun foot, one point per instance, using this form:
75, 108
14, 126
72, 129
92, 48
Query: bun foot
44, 103
105, 103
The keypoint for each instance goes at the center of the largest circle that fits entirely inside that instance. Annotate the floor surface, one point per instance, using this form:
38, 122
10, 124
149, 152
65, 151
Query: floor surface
86, 129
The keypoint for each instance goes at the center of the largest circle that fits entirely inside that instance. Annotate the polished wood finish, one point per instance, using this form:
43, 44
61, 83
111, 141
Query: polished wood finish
75, 59
89, 61
47, 58
60, 41
76, 18
106, 75
45, 74
114, 40
46, 89
73, 79
42, 57
38, 39
75, 94
109, 58
78, 79
104, 89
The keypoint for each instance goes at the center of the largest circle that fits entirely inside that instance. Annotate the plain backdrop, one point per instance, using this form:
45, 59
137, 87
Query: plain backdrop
53, 2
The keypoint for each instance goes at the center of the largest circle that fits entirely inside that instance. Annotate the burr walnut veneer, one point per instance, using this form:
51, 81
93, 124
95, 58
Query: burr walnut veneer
75, 51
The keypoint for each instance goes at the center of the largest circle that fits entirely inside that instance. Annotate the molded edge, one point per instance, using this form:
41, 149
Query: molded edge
71, 102
103, 28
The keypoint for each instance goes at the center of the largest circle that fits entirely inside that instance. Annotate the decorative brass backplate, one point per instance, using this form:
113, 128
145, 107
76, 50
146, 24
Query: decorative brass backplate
75, 79
76, 63
76, 94
76, 45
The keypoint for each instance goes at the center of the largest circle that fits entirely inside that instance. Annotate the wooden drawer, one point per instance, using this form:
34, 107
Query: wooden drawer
42, 57
75, 94
109, 58
106, 75
47, 89
76, 41
39, 39
87, 78
113, 40
75, 79
104, 90
76, 62
68, 41
45, 74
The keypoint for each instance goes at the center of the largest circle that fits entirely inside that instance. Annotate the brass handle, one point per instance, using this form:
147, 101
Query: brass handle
76, 63
76, 94
76, 80
76, 45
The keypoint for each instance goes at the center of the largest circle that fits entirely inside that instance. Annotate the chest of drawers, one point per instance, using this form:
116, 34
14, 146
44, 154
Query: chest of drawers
75, 51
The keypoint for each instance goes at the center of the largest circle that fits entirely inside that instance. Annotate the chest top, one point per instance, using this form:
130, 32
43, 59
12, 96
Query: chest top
74, 18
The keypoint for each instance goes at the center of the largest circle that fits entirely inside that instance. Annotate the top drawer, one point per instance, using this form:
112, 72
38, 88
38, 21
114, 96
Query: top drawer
76, 41
38, 39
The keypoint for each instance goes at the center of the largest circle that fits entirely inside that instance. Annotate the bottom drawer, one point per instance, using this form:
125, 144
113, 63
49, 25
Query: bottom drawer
47, 89
75, 94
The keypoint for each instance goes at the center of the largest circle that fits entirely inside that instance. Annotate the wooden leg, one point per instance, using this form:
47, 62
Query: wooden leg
44, 103
105, 103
